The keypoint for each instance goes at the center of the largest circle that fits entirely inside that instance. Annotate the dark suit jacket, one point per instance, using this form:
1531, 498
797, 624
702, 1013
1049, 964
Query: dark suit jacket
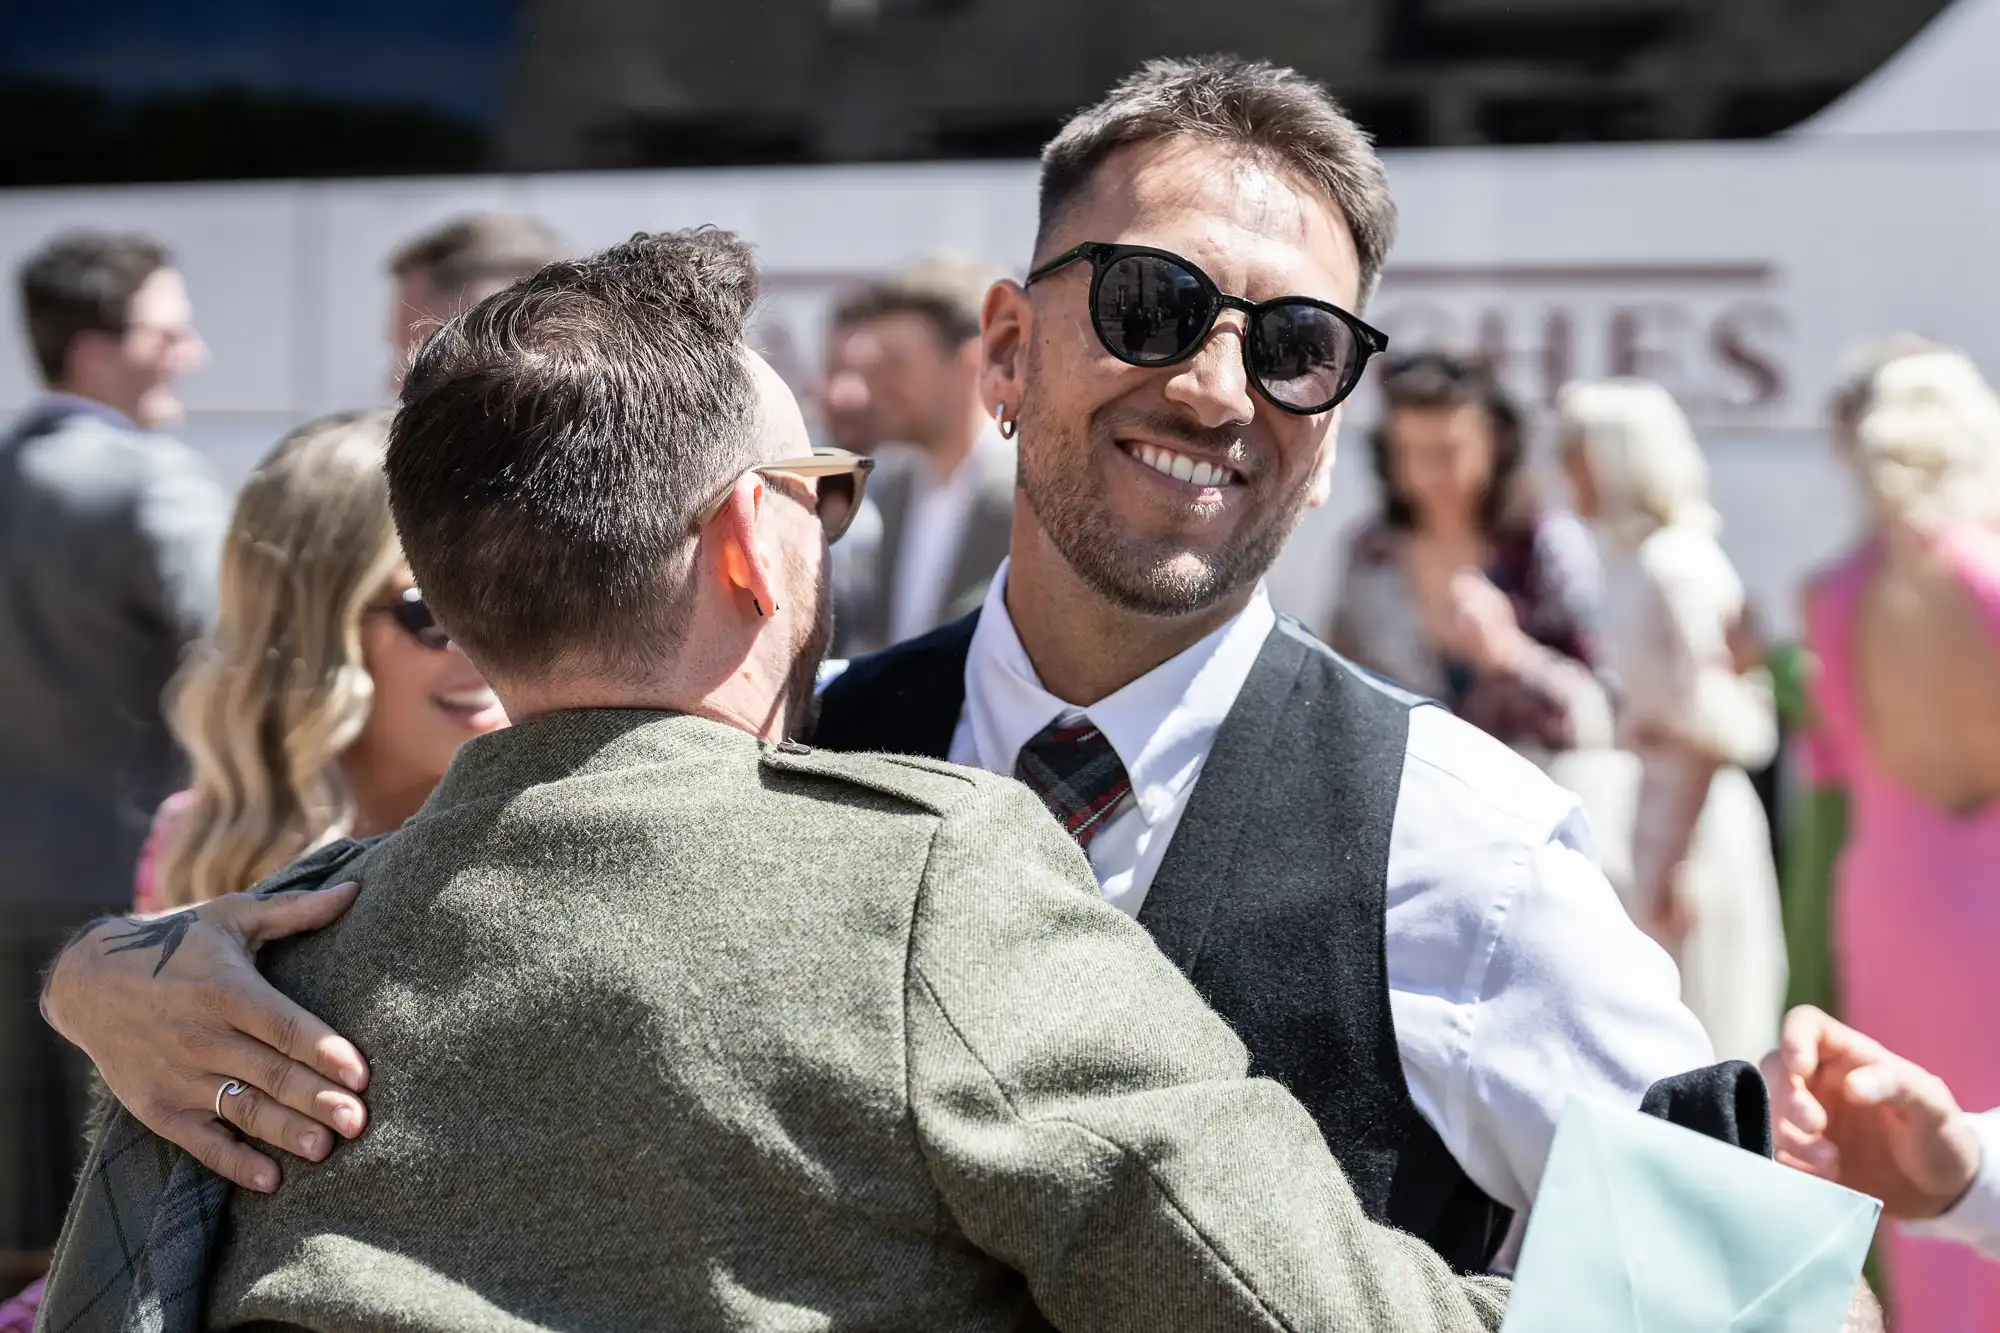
981, 548
110, 539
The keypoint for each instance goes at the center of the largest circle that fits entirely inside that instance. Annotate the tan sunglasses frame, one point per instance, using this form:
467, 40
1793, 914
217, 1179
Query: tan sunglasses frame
819, 463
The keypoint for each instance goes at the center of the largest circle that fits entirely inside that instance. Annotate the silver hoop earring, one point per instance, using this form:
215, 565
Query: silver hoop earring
1008, 429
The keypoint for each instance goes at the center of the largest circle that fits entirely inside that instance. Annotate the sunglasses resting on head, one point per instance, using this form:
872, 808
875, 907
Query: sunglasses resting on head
1153, 308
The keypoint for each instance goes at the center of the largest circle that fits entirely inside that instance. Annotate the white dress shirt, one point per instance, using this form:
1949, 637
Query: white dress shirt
1975, 1219
1516, 980
933, 530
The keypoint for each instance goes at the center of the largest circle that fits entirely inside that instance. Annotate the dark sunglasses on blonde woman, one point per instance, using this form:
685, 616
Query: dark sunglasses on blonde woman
1153, 308
834, 478
413, 616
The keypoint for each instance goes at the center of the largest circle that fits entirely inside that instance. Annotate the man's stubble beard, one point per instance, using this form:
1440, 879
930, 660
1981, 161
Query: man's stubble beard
1060, 478
801, 696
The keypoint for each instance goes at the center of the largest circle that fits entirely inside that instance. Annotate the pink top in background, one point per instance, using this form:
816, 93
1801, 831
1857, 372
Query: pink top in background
1916, 925
146, 888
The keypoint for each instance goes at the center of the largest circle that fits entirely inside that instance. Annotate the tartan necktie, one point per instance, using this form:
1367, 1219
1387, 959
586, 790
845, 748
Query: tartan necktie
1080, 778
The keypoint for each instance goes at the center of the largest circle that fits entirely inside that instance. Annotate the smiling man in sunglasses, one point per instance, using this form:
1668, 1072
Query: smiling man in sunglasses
1401, 918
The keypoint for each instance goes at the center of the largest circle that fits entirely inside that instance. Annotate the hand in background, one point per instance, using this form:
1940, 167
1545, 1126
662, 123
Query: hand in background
1484, 625
1847, 1109
1747, 645
171, 1007
1669, 915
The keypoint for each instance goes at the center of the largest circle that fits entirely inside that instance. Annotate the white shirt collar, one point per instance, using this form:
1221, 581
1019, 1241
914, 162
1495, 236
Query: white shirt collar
1161, 724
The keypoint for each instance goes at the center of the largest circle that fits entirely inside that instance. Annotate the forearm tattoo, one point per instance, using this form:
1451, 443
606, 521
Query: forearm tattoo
164, 933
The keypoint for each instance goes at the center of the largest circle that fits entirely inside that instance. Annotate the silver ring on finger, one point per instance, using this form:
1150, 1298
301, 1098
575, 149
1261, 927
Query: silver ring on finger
230, 1088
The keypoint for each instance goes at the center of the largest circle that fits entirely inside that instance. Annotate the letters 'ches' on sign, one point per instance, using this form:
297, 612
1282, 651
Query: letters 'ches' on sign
1719, 336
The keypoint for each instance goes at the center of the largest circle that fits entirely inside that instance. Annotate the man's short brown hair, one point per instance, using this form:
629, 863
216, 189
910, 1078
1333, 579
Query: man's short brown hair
1277, 117
558, 443
479, 247
82, 282
947, 290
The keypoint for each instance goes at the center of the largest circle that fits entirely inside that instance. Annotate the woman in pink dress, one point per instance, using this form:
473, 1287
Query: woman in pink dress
1907, 704
326, 703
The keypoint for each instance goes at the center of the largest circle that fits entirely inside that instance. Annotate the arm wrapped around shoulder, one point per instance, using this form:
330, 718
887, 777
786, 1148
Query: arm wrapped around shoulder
1092, 1124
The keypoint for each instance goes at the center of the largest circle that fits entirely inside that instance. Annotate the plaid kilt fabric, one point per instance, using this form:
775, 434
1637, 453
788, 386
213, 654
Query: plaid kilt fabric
135, 1247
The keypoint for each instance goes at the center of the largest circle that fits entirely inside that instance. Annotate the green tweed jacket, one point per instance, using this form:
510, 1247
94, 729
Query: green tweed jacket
674, 1030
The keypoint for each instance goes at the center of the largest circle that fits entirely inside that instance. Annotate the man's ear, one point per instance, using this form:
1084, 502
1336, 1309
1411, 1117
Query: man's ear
740, 559
1006, 324
86, 355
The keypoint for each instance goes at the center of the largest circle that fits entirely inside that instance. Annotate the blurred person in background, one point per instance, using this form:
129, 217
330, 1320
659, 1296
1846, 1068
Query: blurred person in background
1816, 814
109, 537
847, 421
947, 502
324, 642
1906, 726
845, 400
1464, 587
1695, 712
455, 266
326, 703
1469, 589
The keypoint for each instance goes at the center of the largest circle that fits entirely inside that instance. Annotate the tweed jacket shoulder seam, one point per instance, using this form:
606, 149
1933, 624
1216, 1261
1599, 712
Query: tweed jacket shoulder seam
1173, 1202
930, 785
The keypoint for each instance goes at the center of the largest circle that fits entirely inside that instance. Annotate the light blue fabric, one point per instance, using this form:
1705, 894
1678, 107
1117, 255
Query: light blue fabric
1644, 1227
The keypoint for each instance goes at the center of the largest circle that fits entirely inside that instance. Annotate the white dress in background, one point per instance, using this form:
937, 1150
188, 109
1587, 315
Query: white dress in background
1671, 603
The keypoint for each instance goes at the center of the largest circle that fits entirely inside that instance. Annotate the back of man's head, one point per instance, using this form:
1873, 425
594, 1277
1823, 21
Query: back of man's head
1271, 116
82, 282
558, 445
470, 257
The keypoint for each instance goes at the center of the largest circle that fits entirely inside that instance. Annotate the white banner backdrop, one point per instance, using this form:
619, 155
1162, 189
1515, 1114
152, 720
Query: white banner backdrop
1737, 274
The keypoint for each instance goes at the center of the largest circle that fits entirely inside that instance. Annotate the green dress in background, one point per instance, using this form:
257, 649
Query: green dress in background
1816, 828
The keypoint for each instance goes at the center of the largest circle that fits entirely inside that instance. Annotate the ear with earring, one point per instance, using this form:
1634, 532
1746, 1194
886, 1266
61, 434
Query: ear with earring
1008, 429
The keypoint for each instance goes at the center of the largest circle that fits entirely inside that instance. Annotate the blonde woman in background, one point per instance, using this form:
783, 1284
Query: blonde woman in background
326, 702
1696, 715
1816, 816
1906, 729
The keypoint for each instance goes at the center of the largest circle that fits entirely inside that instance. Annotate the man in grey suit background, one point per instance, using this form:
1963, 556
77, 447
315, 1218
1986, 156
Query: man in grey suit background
838, 1040
945, 490
110, 534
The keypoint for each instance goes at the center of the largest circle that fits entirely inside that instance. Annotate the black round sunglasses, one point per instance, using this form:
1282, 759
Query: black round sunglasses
1153, 308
